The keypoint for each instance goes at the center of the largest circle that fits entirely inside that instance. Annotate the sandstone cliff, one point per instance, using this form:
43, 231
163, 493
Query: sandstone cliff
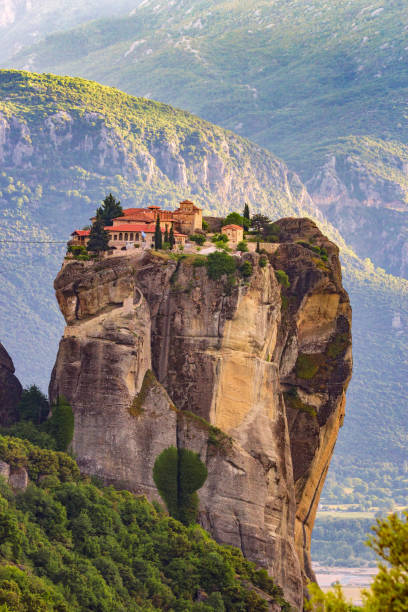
250, 374
10, 389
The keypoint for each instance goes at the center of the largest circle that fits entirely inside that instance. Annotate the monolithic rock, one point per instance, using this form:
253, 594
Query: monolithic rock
10, 389
249, 373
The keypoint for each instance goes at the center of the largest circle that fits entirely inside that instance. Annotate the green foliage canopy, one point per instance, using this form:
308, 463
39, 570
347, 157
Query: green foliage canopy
178, 474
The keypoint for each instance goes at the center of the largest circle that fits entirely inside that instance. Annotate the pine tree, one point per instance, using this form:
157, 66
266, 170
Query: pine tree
109, 210
166, 235
158, 238
172, 239
98, 238
246, 212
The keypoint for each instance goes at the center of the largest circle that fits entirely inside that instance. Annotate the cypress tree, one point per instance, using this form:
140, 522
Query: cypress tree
109, 210
99, 237
246, 211
158, 238
166, 234
172, 239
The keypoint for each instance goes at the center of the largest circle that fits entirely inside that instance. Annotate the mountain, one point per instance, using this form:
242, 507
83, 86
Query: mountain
323, 85
24, 22
65, 143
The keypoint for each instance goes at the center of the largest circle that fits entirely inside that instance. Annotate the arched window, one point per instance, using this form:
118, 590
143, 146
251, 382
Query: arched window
120, 236
115, 237
137, 236
126, 236
131, 235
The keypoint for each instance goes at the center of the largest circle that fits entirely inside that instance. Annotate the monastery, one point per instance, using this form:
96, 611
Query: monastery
137, 225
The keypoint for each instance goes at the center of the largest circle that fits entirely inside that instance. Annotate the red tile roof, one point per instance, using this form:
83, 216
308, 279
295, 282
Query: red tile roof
81, 233
232, 226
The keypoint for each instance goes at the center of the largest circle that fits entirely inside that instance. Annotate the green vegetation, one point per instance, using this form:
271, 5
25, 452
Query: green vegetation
98, 237
79, 252
109, 210
389, 590
242, 246
308, 365
235, 218
54, 433
61, 424
220, 264
67, 544
292, 400
178, 474
282, 278
246, 269
136, 408
198, 239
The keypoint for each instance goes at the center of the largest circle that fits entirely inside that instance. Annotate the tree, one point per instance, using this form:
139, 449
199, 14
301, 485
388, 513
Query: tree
166, 235
235, 218
61, 424
242, 246
158, 238
33, 405
178, 474
98, 238
259, 222
109, 210
246, 212
389, 591
172, 239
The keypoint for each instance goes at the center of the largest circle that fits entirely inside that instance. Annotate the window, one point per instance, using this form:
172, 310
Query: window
115, 237
126, 236
131, 235
120, 236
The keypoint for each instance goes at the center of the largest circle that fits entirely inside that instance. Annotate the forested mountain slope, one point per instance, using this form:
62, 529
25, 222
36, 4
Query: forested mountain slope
322, 84
65, 143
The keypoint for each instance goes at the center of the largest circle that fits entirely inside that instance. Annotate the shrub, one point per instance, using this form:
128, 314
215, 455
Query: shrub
307, 365
220, 263
242, 246
219, 238
198, 239
282, 278
246, 269
263, 261
205, 226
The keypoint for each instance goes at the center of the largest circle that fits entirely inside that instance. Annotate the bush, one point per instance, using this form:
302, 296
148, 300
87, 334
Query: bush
263, 261
307, 366
282, 278
246, 269
242, 246
219, 238
220, 263
198, 239
205, 226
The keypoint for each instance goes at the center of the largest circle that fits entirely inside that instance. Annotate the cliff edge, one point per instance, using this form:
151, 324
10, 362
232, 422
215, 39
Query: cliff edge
10, 389
250, 372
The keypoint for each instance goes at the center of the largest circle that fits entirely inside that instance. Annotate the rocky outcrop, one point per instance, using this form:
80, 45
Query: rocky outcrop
251, 374
10, 389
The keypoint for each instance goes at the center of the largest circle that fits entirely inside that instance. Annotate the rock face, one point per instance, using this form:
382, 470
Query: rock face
10, 389
250, 374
